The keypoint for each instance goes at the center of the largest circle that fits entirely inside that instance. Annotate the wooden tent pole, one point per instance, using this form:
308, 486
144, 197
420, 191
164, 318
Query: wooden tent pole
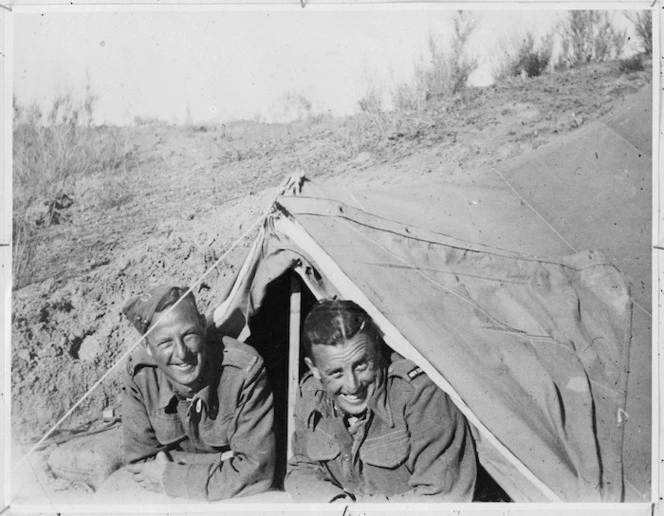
293, 354
393, 338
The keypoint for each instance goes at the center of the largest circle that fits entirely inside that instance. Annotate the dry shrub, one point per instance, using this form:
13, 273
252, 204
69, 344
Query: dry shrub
371, 103
297, 105
148, 120
631, 64
448, 71
525, 58
445, 72
354, 136
51, 151
642, 22
406, 98
589, 36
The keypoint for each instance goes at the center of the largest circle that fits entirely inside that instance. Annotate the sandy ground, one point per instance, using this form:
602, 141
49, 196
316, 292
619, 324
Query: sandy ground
186, 193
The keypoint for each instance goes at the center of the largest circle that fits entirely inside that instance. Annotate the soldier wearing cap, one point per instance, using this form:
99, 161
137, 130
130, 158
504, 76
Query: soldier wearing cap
197, 415
371, 429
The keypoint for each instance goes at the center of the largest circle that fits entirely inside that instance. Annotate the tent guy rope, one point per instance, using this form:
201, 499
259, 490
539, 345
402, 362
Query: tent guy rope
135, 344
531, 207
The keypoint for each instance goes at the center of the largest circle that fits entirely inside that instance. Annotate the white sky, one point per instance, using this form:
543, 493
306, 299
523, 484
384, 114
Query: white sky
224, 65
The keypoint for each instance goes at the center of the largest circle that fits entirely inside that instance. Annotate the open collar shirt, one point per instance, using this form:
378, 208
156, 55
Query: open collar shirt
414, 444
222, 437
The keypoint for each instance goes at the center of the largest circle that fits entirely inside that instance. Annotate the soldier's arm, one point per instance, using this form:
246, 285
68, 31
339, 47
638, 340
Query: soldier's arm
138, 434
442, 457
251, 468
307, 480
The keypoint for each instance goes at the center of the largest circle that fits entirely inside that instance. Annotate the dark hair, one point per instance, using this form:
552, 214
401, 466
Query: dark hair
172, 296
332, 322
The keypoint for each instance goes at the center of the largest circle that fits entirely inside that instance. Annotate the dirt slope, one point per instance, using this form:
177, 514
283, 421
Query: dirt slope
187, 193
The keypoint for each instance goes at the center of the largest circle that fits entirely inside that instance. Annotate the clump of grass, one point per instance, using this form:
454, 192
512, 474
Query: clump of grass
527, 58
630, 64
445, 72
371, 104
140, 121
51, 151
378, 132
407, 98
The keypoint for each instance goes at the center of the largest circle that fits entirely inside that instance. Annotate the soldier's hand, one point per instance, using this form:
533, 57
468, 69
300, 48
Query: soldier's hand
149, 474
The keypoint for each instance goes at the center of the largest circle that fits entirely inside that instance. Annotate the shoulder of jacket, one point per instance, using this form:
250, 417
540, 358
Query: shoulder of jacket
137, 361
308, 385
239, 355
406, 370
312, 400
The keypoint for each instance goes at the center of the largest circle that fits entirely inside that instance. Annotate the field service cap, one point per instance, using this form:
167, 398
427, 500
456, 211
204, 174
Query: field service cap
140, 309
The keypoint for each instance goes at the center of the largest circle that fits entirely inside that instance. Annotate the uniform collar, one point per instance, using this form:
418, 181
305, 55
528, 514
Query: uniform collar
167, 393
210, 381
140, 358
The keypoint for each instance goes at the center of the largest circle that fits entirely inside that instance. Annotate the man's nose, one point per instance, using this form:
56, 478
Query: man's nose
180, 350
350, 382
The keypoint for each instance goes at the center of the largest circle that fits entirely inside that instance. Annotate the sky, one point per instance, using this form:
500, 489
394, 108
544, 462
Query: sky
220, 65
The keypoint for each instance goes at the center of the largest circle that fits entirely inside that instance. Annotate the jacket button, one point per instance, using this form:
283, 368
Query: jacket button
346, 458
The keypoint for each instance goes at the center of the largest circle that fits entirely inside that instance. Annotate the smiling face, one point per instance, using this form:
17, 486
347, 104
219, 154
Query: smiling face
349, 372
178, 346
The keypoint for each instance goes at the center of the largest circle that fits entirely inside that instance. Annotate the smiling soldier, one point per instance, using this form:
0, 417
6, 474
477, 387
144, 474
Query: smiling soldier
197, 415
371, 429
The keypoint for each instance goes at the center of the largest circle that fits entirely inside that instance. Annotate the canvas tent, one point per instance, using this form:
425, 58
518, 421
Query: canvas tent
519, 289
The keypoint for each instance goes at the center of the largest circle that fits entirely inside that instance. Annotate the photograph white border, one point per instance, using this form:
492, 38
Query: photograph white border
6, 89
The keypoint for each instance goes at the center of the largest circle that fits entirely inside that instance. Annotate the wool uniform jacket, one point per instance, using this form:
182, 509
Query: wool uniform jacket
416, 445
223, 436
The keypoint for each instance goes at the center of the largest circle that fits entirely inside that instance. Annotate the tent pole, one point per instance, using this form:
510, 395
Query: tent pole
293, 354
399, 343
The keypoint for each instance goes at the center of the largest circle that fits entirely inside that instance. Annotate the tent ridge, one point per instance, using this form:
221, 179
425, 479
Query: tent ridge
535, 419
411, 232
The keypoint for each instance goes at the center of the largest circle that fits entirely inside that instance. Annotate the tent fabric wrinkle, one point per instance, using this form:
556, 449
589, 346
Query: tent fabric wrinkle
532, 401
503, 328
471, 277
303, 206
611, 217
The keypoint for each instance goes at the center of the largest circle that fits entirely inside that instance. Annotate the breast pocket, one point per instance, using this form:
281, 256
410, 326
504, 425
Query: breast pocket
321, 445
167, 427
386, 451
214, 432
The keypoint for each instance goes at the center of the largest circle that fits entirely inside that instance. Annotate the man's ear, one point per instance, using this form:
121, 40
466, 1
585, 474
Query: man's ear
314, 370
